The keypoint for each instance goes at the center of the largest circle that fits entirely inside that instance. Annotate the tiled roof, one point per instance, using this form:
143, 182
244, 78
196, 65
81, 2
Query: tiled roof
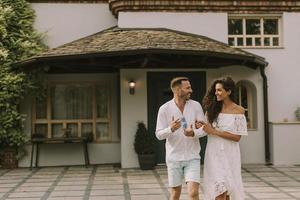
117, 41
241, 6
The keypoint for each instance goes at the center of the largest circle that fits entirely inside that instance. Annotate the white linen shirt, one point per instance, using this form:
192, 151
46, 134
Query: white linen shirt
178, 146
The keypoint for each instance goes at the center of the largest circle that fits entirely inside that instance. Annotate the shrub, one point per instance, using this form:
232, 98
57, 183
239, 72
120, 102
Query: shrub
144, 142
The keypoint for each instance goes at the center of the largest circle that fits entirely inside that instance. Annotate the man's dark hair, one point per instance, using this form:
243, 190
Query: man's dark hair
177, 81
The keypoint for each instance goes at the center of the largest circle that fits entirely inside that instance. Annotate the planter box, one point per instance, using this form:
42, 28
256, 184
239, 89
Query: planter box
9, 160
147, 161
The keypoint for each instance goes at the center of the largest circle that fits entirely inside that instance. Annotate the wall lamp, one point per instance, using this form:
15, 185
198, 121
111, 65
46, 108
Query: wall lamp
131, 87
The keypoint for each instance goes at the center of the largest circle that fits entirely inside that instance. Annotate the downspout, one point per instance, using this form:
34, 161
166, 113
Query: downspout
266, 114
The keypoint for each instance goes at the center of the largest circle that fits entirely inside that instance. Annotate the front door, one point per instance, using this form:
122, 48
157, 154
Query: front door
159, 92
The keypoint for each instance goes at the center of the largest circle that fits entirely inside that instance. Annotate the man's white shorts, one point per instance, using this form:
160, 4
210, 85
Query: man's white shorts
189, 170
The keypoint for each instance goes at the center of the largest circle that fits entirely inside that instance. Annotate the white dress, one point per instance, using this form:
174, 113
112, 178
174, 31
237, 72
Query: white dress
222, 164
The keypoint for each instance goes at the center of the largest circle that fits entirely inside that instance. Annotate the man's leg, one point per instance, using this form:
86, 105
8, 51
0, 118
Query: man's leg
193, 190
175, 193
192, 178
175, 176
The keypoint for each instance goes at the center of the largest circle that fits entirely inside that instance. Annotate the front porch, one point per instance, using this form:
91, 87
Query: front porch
112, 183
81, 73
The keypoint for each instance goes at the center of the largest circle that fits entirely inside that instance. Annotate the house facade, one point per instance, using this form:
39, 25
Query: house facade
98, 47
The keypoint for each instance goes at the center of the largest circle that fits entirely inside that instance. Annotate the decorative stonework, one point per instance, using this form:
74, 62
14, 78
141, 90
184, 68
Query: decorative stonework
243, 6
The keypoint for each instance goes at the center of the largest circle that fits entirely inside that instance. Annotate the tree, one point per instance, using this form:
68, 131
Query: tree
18, 41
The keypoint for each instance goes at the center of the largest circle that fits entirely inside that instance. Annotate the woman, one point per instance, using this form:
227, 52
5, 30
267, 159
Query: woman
226, 123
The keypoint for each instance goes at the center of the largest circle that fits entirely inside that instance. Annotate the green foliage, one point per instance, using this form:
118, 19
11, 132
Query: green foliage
297, 113
18, 41
144, 142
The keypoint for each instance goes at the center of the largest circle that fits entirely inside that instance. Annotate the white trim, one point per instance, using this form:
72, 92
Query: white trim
49, 122
262, 36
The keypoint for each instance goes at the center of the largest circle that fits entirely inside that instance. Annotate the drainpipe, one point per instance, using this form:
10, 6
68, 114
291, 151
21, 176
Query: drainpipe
266, 114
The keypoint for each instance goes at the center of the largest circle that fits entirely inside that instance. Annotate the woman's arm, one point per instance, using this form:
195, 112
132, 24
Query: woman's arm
227, 135
224, 134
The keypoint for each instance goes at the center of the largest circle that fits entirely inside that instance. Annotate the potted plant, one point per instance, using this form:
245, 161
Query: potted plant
11, 142
297, 113
144, 146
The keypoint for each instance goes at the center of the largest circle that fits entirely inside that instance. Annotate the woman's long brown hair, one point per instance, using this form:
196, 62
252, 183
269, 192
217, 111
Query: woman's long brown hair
210, 103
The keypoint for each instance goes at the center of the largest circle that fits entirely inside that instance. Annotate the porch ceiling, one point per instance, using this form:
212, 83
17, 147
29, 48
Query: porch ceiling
117, 48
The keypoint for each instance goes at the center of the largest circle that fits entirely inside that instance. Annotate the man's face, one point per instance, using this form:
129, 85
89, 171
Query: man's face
185, 90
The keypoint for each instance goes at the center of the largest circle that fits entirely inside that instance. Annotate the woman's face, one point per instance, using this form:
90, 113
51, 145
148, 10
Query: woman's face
221, 93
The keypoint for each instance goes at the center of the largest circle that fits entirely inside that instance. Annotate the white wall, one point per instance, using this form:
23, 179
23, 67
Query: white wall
213, 25
72, 154
133, 109
65, 22
285, 144
283, 71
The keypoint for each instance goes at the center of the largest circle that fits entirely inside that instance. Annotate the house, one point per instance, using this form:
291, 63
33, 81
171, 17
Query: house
100, 48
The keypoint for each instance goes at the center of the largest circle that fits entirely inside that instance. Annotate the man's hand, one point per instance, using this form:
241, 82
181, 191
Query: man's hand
199, 124
189, 132
175, 124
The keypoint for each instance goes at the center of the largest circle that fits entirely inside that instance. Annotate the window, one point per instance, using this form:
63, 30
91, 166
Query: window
255, 32
78, 108
246, 97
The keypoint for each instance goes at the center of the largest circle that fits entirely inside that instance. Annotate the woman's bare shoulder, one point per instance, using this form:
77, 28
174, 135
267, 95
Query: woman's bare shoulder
239, 109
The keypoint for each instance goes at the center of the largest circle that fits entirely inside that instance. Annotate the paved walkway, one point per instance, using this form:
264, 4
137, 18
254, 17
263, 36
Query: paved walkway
110, 183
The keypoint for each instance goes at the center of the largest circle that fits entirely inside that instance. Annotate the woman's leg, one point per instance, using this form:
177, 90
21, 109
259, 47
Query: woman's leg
222, 196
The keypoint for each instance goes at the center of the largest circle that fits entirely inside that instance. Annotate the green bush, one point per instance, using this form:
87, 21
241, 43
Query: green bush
297, 113
18, 41
144, 142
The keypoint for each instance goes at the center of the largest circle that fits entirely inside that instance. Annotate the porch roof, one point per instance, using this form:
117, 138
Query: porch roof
116, 48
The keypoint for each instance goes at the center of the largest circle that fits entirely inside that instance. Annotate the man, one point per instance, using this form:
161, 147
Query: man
176, 123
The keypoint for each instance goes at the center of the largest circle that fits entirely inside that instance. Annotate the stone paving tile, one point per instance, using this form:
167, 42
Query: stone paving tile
255, 184
64, 198
3, 190
30, 198
31, 189
73, 183
285, 183
107, 198
26, 194
107, 192
101, 187
110, 183
148, 197
260, 189
36, 184
141, 185
70, 187
273, 195
271, 179
66, 193
146, 191
290, 189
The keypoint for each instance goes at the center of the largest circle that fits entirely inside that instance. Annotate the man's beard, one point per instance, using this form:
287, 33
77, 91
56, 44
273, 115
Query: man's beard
187, 96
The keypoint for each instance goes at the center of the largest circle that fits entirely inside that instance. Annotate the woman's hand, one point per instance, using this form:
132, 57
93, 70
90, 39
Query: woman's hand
206, 127
209, 129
